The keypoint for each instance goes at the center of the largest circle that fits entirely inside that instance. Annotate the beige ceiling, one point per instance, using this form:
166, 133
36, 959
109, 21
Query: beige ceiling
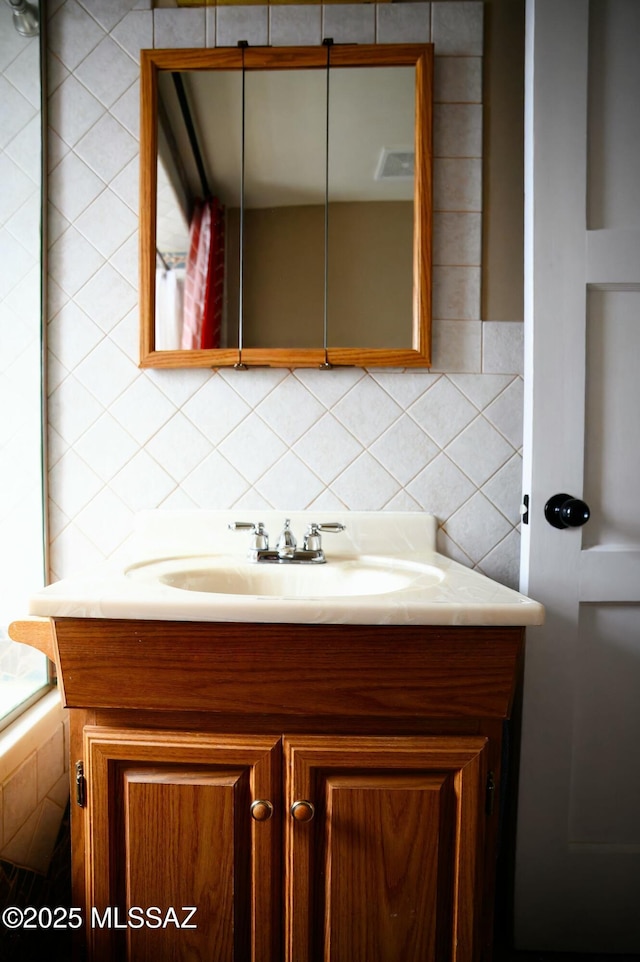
371, 108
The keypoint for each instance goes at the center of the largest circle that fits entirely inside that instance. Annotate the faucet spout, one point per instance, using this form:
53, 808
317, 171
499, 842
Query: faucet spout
286, 544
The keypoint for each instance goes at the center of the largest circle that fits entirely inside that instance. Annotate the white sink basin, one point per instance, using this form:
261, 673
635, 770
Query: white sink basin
382, 569
343, 578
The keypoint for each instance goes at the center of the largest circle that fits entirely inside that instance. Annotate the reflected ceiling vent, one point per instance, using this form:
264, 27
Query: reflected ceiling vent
396, 163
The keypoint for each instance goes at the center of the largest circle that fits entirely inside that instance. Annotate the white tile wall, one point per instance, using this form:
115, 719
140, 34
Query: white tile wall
446, 441
32, 803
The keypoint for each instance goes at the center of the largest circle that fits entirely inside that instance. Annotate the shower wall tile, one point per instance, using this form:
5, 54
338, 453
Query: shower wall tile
457, 238
504, 489
33, 798
477, 526
502, 347
403, 22
456, 293
109, 14
179, 28
481, 390
107, 71
479, 450
73, 110
73, 260
74, 186
445, 441
457, 346
291, 410
457, 130
349, 22
107, 223
19, 796
24, 73
457, 79
367, 410
365, 485
24, 149
73, 34
502, 563
292, 481
250, 23
295, 24
442, 412
56, 150
15, 111
127, 109
134, 32
125, 261
140, 481
107, 147
210, 27
505, 413
17, 187
457, 28
457, 184
404, 449
329, 447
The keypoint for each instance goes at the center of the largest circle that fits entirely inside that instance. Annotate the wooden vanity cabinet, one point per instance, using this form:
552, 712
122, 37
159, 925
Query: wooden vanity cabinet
391, 871
372, 755
167, 825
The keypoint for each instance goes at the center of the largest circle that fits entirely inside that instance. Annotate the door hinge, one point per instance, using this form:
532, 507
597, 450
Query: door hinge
81, 785
524, 509
490, 795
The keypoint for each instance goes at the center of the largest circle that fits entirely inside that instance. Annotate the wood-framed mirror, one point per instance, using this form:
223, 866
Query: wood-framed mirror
308, 170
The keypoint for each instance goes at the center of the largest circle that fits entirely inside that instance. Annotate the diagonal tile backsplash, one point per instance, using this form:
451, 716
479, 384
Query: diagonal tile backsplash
121, 439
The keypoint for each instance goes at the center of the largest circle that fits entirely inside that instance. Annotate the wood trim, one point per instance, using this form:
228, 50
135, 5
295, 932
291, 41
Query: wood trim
294, 671
35, 632
148, 191
423, 214
261, 58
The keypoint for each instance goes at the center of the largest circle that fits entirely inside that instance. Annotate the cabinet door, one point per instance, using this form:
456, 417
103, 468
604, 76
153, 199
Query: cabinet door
169, 826
384, 849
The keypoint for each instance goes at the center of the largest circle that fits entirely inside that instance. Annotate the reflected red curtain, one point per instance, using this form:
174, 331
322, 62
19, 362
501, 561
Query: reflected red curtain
204, 281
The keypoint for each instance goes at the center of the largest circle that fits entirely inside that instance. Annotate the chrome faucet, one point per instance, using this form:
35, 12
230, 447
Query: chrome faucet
286, 550
286, 544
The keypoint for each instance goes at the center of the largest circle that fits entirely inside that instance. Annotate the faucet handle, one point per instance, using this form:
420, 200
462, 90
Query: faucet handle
312, 538
260, 539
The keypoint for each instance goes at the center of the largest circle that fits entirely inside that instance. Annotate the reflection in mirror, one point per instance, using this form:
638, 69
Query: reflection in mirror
198, 196
371, 211
285, 147
357, 272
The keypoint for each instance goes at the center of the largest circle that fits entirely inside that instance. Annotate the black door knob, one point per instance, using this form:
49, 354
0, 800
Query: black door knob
563, 511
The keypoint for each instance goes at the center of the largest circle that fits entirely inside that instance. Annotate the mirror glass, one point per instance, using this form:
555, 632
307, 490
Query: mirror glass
188, 192
371, 207
320, 241
285, 162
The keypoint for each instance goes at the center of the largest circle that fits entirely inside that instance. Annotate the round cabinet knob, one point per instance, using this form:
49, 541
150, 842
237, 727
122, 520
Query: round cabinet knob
261, 810
563, 511
302, 811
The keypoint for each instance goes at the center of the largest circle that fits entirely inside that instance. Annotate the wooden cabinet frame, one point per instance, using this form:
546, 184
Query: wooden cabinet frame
406, 721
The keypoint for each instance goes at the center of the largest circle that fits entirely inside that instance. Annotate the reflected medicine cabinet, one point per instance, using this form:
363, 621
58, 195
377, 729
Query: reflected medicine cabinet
316, 163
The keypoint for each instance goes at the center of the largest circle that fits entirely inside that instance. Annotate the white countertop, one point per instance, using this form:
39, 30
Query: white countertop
390, 559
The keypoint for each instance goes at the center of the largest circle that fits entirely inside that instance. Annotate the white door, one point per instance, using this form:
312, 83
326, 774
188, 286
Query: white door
578, 849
